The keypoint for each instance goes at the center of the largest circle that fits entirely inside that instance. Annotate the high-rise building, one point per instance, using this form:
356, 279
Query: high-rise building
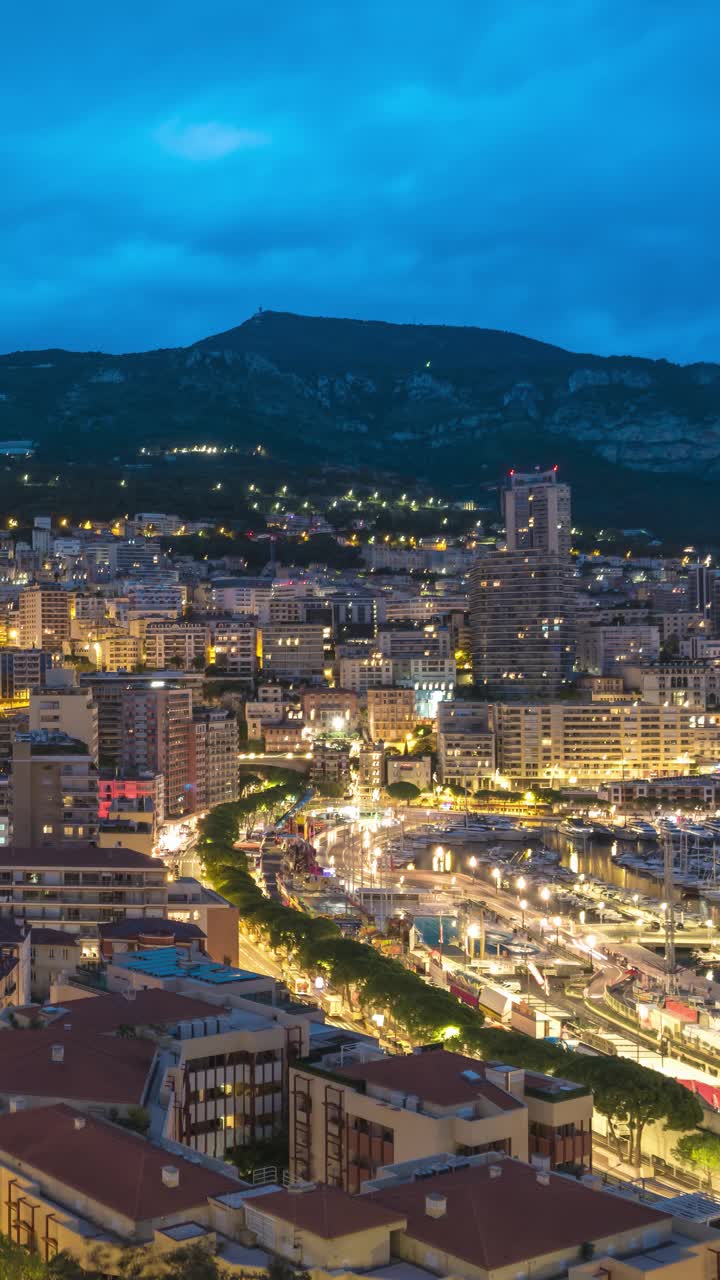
536, 508
66, 710
215, 757
521, 623
54, 796
157, 725
44, 619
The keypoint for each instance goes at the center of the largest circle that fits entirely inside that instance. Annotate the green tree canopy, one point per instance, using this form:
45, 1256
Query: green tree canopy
631, 1094
701, 1148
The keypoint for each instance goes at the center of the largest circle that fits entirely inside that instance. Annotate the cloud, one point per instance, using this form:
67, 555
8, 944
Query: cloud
210, 141
542, 168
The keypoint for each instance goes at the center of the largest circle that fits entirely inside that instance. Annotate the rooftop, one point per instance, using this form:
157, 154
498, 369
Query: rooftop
110, 1165
496, 1222
150, 926
329, 1212
152, 1007
445, 1079
77, 855
171, 962
41, 937
95, 1068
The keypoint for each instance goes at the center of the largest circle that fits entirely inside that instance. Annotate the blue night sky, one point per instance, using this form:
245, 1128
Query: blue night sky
547, 166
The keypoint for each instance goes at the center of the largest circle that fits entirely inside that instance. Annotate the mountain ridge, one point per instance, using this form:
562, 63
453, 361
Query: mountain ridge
443, 404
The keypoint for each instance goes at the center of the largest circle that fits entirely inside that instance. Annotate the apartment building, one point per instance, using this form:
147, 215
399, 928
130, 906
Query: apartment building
22, 670
391, 714
78, 887
15, 964
577, 743
293, 652
365, 670
156, 729
119, 651
214, 761
176, 644
428, 641
680, 683
44, 617
604, 650
233, 646
53, 789
68, 710
330, 710
347, 1120
466, 744
108, 692
59, 1178
371, 771
521, 623
537, 512
192, 903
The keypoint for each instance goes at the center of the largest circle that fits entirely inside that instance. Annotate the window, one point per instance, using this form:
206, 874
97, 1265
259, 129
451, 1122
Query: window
47, 829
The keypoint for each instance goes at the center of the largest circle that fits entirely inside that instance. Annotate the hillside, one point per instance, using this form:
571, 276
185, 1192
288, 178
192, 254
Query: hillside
446, 405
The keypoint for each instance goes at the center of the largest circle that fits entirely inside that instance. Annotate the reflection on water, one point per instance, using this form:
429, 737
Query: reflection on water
596, 859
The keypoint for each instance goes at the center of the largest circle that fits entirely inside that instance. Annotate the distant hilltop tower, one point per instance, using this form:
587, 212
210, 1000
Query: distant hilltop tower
536, 508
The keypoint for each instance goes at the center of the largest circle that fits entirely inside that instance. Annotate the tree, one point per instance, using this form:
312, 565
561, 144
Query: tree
628, 1093
702, 1149
403, 791
191, 1262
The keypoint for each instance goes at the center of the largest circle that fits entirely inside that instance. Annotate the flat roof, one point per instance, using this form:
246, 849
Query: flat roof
76, 855
107, 1163
167, 962
496, 1222
437, 1076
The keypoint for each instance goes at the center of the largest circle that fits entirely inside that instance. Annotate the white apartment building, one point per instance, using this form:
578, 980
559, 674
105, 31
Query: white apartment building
168, 644
561, 744
233, 645
369, 671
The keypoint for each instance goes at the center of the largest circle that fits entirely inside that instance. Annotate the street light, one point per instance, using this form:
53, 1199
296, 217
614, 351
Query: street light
523, 909
545, 893
520, 883
496, 874
472, 863
557, 921
709, 924
582, 917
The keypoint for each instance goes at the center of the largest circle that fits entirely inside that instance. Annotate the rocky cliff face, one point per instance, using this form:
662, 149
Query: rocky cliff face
370, 393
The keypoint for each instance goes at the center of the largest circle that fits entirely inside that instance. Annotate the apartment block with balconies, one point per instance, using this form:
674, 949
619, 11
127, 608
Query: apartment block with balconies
79, 887
349, 1118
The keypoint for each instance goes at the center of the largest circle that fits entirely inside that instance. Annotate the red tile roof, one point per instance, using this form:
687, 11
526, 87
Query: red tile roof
41, 937
76, 855
435, 1076
328, 1211
119, 1169
95, 1068
151, 1006
505, 1221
